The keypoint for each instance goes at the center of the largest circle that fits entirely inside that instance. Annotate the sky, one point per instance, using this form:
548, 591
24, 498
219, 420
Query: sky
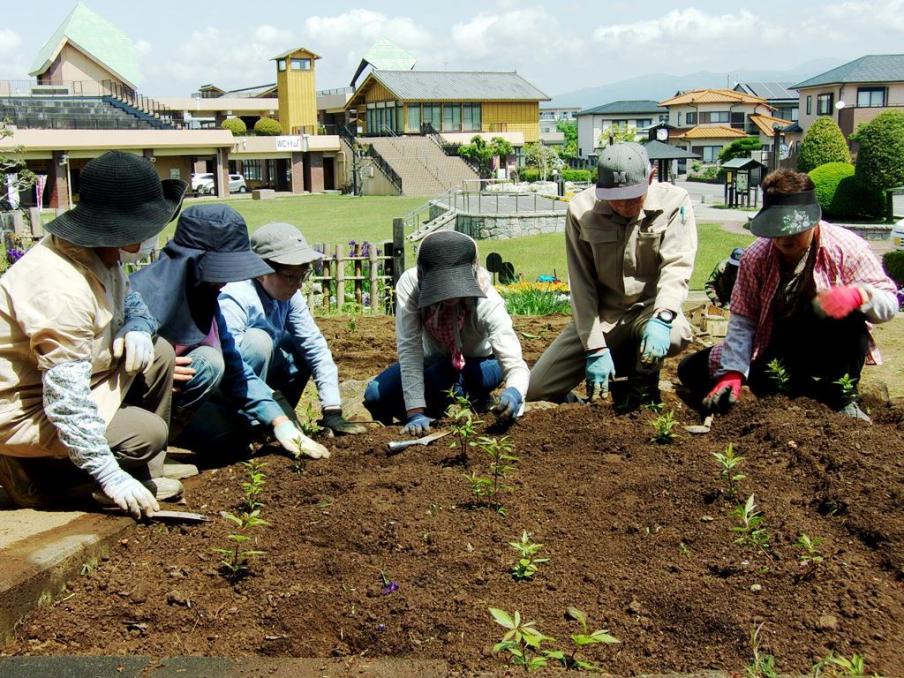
559, 46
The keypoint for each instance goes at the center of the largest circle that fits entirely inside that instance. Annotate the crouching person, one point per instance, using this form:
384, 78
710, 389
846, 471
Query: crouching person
274, 330
805, 296
218, 397
452, 333
85, 390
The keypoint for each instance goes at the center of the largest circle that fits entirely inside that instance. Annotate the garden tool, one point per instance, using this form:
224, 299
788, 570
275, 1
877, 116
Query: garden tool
701, 428
397, 446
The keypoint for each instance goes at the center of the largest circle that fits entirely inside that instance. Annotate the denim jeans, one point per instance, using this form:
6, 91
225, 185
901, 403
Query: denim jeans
384, 398
193, 394
280, 366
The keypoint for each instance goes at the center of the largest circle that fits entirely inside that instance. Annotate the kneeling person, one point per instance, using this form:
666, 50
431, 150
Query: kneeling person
274, 330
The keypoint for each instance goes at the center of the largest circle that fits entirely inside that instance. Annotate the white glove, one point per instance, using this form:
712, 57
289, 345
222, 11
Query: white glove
129, 494
297, 443
138, 347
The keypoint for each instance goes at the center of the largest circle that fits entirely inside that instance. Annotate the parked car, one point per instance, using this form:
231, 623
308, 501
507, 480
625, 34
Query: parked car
199, 179
206, 184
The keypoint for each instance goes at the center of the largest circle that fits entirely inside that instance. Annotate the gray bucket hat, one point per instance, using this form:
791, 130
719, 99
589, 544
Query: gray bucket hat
283, 244
623, 172
446, 267
786, 214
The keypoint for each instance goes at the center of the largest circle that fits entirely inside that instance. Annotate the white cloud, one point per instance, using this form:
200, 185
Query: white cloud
884, 14
143, 47
532, 31
690, 25
270, 35
362, 27
9, 40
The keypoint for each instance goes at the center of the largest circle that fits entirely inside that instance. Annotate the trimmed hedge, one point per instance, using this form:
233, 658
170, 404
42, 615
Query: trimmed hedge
235, 125
533, 174
841, 194
893, 262
267, 127
823, 143
576, 175
880, 160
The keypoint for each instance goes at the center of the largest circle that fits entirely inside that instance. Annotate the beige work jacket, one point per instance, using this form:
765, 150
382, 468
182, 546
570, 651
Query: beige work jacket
614, 267
58, 304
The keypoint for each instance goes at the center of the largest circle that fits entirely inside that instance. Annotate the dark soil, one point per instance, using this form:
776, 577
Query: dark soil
638, 536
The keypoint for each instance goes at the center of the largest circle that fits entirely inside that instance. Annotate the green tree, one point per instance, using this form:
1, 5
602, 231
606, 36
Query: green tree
880, 161
616, 134
11, 162
482, 153
822, 143
236, 126
267, 127
841, 194
544, 158
570, 129
740, 148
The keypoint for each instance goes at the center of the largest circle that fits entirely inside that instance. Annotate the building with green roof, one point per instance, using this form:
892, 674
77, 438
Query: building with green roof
640, 114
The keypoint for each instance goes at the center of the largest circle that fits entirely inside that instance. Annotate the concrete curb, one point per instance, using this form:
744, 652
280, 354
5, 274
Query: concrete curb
36, 569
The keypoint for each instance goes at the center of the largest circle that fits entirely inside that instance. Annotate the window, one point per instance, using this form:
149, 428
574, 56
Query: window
414, 117
470, 117
809, 105
711, 117
433, 114
301, 64
251, 170
711, 153
643, 123
691, 119
451, 117
824, 104
870, 97
738, 121
795, 114
679, 119
281, 64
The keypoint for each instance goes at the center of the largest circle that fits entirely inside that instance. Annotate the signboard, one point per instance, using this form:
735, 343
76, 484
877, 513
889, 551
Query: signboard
175, 173
741, 183
288, 143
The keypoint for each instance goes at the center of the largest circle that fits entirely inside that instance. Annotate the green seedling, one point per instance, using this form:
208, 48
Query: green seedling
352, 324
763, 665
728, 461
663, 427
836, 666
253, 486
492, 485
778, 375
848, 388
526, 565
461, 423
236, 560
522, 640
810, 556
751, 529
581, 640
309, 422
655, 408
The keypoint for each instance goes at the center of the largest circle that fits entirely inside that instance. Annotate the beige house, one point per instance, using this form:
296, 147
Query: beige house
594, 123
704, 121
853, 93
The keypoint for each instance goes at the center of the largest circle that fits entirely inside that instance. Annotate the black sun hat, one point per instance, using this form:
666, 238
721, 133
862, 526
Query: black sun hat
122, 201
446, 264
785, 214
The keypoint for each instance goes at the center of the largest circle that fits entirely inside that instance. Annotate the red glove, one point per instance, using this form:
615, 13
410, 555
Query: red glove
725, 393
838, 302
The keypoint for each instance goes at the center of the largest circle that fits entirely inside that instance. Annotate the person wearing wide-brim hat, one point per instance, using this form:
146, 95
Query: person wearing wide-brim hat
630, 243
209, 249
84, 389
273, 327
721, 281
803, 302
453, 333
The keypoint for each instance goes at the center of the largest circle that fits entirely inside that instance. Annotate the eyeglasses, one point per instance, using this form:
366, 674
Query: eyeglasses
294, 278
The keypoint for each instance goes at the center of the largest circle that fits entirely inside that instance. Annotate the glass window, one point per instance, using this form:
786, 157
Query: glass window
414, 117
870, 97
795, 114
691, 119
711, 153
251, 170
824, 104
712, 117
433, 114
451, 117
679, 119
301, 64
281, 64
643, 123
809, 104
471, 117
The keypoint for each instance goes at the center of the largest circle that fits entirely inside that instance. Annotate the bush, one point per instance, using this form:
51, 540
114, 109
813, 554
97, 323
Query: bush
236, 126
267, 127
711, 175
823, 143
740, 148
893, 262
880, 160
841, 194
529, 174
576, 175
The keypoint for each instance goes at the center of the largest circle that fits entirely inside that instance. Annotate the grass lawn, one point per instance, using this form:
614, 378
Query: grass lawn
545, 253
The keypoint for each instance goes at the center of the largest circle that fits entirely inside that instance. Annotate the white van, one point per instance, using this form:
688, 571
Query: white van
897, 235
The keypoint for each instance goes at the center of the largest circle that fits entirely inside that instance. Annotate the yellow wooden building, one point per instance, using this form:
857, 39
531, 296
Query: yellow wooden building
411, 102
295, 83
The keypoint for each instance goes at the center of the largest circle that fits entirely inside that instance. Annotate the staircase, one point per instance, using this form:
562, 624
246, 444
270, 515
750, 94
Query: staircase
59, 112
422, 166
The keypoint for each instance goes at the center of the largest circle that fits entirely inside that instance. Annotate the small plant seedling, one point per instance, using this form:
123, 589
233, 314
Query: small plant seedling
751, 529
236, 560
664, 428
309, 422
728, 461
253, 486
493, 485
526, 565
352, 324
655, 408
763, 665
778, 375
848, 388
810, 557
462, 422
387, 585
838, 666
583, 639
522, 640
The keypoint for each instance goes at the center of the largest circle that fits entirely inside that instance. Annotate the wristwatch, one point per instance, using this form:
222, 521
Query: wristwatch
665, 315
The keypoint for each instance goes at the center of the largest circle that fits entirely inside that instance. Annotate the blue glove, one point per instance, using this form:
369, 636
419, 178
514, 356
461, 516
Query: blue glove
599, 370
656, 341
418, 424
509, 404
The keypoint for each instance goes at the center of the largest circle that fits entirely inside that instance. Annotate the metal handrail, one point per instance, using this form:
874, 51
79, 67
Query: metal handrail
384, 167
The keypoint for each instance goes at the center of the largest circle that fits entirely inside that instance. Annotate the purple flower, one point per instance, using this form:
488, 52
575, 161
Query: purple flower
13, 254
381, 628
389, 586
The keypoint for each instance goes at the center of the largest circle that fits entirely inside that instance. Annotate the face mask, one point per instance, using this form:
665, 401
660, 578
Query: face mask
144, 251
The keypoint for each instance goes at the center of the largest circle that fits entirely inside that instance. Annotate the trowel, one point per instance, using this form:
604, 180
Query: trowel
397, 446
700, 429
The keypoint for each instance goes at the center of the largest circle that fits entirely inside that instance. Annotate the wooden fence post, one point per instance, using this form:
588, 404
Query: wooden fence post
398, 250
327, 277
374, 270
37, 228
19, 224
340, 278
359, 278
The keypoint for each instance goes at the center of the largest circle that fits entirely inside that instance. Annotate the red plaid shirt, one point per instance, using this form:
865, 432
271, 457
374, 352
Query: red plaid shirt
842, 258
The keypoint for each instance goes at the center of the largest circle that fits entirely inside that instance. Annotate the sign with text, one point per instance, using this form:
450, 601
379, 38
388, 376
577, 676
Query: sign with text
289, 143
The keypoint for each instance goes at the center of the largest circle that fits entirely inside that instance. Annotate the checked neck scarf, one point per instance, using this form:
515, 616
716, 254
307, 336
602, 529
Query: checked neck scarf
444, 323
